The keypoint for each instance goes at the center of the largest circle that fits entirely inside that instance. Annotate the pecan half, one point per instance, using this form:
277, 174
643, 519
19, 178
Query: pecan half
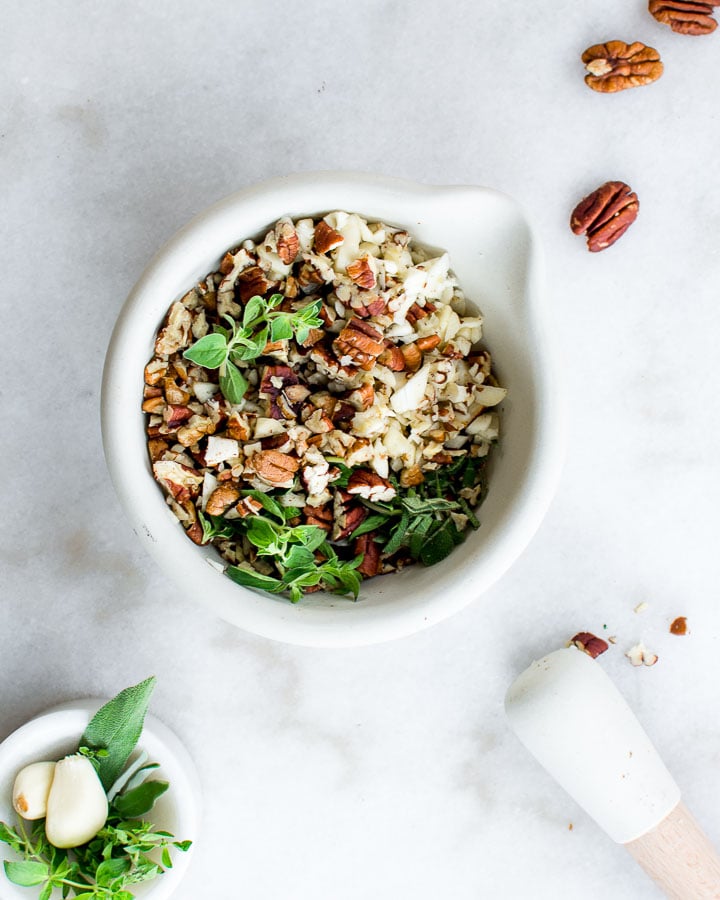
685, 16
615, 66
589, 644
361, 342
605, 214
287, 241
274, 467
326, 238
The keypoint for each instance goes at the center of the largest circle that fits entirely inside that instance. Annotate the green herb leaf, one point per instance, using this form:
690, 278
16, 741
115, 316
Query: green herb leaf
439, 545
253, 310
10, 837
138, 801
111, 869
26, 873
116, 727
397, 537
281, 329
232, 383
210, 351
372, 523
254, 580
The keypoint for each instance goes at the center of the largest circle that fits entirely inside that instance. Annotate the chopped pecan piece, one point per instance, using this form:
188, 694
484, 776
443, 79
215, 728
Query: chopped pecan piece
427, 343
238, 427
275, 379
274, 467
251, 282
154, 404
287, 240
347, 519
371, 563
176, 415
362, 397
615, 66
221, 499
411, 476
362, 273
180, 481
679, 625
605, 214
320, 516
248, 506
309, 277
371, 307
419, 312
370, 486
176, 333
393, 358
326, 238
685, 16
157, 446
195, 532
361, 342
589, 644
412, 356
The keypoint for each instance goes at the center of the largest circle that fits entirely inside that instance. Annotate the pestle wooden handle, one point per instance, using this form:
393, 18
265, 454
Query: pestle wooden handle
678, 855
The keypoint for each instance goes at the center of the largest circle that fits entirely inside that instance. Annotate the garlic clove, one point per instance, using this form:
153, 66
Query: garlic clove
77, 807
31, 789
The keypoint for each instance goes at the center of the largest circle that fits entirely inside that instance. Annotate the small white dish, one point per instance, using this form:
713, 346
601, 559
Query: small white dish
54, 734
497, 259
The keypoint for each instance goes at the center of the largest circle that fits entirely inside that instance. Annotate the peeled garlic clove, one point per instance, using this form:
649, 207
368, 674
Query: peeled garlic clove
31, 789
77, 807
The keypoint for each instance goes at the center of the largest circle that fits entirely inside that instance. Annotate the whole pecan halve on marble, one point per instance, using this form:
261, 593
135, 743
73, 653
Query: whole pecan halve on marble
685, 16
615, 66
605, 214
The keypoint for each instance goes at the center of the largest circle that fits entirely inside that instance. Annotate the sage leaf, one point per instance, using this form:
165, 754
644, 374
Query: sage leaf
139, 800
232, 383
438, 544
26, 873
254, 580
116, 727
210, 351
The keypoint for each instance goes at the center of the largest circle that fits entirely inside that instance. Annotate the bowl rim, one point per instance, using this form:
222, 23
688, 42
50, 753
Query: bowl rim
68, 720
151, 520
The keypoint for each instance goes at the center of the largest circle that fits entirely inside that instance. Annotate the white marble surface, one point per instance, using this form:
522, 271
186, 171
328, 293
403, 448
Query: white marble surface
385, 772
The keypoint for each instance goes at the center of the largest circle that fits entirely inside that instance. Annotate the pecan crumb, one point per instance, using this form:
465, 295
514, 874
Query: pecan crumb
679, 626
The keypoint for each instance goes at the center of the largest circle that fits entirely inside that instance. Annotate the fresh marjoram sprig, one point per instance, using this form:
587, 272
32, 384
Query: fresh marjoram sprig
246, 340
119, 855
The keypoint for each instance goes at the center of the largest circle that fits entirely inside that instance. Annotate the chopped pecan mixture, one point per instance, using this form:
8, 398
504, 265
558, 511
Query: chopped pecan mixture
320, 408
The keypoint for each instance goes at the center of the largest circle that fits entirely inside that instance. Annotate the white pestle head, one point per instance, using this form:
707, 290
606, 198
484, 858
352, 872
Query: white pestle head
572, 718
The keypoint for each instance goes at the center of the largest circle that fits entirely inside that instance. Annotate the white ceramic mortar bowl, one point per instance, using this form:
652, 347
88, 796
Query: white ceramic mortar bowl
55, 733
497, 260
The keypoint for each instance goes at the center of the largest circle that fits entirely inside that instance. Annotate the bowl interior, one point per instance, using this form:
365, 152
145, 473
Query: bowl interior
495, 256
